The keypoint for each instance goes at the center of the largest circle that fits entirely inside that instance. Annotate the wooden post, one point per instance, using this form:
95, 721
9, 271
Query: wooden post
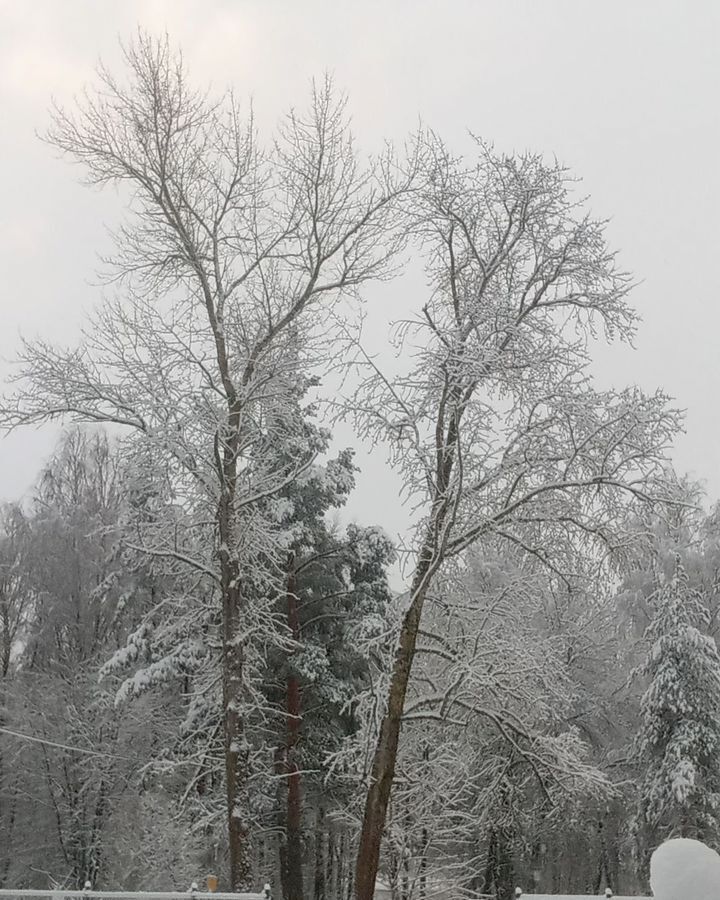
212, 883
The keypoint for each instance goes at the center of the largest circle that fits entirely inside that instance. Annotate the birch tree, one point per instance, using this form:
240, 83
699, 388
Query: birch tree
228, 255
495, 425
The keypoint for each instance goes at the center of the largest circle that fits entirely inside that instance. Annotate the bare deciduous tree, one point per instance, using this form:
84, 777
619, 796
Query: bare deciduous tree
496, 428
224, 262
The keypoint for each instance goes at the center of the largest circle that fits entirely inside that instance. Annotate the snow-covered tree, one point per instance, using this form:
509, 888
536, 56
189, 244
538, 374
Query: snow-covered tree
314, 609
227, 255
230, 272
78, 593
335, 595
490, 744
495, 424
14, 612
678, 745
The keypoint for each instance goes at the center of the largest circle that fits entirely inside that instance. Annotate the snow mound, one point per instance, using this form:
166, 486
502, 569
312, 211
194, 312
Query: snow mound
683, 869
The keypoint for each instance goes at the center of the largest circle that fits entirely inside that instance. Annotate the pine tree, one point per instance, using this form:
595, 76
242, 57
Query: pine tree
678, 746
334, 596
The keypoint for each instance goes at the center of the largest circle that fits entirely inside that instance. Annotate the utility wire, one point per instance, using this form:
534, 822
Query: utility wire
37, 740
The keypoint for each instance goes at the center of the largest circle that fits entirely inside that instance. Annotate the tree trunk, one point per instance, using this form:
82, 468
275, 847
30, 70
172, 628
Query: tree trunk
537, 865
294, 871
8, 841
424, 842
340, 851
602, 866
499, 869
490, 864
280, 769
505, 874
383, 768
424, 839
6, 646
236, 745
350, 879
614, 859
330, 871
95, 850
320, 857
407, 831
393, 872
237, 748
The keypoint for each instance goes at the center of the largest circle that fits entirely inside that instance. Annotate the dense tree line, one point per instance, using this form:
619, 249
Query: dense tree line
548, 739
200, 671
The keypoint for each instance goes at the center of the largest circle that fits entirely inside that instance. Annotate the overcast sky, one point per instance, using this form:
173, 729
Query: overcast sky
624, 93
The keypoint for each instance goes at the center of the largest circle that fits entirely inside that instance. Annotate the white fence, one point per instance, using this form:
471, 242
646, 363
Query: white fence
578, 897
89, 894
194, 894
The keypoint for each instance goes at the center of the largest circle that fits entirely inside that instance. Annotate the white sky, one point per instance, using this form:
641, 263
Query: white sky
625, 93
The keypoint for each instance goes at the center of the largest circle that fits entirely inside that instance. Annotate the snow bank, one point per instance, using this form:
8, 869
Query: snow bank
683, 869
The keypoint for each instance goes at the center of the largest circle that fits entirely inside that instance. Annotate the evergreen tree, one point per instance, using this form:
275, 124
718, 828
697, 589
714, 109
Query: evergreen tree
678, 745
334, 599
